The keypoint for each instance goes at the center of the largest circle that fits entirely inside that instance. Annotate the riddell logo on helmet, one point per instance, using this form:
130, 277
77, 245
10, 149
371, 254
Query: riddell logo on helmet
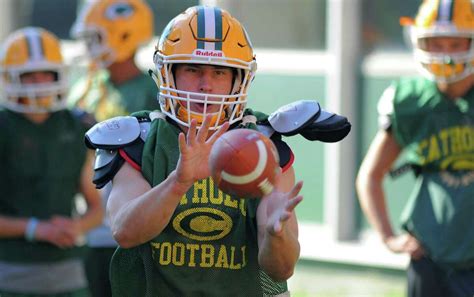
208, 53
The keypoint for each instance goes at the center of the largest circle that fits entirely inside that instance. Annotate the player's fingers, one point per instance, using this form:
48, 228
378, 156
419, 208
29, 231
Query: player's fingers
218, 133
182, 143
276, 227
204, 130
191, 136
292, 203
284, 216
296, 189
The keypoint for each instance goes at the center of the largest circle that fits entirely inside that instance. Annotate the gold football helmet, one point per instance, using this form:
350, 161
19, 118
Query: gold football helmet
30, 50
210, 36
442, 18
113, 29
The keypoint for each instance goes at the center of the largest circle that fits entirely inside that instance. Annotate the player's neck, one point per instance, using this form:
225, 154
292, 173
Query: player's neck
121, 72
37, 118
457, 89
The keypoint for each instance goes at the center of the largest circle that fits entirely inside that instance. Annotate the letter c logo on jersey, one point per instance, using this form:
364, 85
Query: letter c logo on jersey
203, 224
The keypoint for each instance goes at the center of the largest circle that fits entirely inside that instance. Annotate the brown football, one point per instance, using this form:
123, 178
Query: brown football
244, 163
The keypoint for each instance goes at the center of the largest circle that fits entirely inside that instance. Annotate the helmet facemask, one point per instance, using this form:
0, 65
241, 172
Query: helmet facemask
446, 62
113, 30
99, 52
28, 51
177, 103
438, 66
204, 35
34, 97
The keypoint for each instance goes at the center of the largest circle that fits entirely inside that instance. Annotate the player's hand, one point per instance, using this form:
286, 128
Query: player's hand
49, 232
405, 243
69, 226
279, 207
194, 150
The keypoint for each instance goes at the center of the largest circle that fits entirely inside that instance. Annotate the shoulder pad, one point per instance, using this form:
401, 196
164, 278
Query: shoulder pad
113, 133
103, 157
289, 119
107, 164
328, 127
284, 151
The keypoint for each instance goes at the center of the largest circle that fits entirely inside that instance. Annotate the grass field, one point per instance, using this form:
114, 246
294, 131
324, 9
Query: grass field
316, 279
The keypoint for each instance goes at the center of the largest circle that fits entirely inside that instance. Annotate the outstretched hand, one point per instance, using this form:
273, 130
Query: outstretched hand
278, 207
194, 150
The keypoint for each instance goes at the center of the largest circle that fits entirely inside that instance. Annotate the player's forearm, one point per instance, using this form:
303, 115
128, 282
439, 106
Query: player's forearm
143, 218
279, 253
12, 227
372, 200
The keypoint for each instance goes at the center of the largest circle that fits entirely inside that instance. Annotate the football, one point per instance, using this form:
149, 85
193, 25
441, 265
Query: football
244, 163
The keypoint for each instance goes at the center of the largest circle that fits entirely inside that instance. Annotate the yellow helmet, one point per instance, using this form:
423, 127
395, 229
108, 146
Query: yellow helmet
30, 50
113, 29
211, 36
443, 18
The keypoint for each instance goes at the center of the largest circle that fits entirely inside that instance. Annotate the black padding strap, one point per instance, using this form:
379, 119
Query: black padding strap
105, 174
284, 151
332, 129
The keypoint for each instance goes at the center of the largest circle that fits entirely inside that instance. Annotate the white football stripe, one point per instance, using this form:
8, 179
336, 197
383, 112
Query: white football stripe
34, 41
210, 27
244, 179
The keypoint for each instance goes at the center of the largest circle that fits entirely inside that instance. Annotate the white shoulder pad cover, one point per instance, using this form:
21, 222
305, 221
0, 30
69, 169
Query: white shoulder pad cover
291, 118
113, 133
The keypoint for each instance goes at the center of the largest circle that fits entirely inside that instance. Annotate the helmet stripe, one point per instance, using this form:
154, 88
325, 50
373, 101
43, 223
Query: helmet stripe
201, 28
218, 27
209, 28
35, 45
445, 10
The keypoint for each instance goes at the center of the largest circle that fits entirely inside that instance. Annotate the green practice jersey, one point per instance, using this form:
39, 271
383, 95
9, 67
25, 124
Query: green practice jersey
41, 169
209, 247
437, 135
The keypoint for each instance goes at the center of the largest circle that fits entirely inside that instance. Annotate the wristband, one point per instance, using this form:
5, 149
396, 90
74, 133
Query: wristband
31, 229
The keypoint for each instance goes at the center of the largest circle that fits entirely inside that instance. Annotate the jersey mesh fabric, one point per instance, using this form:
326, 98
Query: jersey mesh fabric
162, 150
437, 135
44, 164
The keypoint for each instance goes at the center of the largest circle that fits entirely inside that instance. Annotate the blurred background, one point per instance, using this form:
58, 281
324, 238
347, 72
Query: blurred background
342, 53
